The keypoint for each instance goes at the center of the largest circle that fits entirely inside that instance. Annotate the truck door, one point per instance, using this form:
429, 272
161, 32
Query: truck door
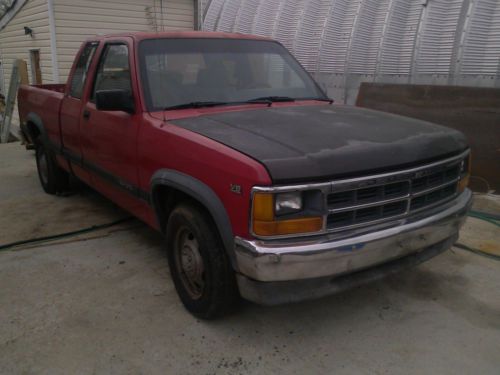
71, 109
110, 137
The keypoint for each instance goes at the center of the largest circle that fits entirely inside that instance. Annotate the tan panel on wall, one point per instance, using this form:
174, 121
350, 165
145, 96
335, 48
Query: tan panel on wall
14, 44
76, 20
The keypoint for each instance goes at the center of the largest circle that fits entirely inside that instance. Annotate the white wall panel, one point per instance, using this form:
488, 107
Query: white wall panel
14, 44
311, 26
228, 15
266, 17
77, 20
399, 40
367, 36
288, 23
337, 36
211, 14
438, 35
481, 53
246, 15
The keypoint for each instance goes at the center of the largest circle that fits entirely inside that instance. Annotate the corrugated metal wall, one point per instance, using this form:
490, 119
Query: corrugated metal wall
346, 42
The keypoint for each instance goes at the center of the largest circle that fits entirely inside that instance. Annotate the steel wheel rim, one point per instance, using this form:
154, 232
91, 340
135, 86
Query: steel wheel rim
189, 262
43, 167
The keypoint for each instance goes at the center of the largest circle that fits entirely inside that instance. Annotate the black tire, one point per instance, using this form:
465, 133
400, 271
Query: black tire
52, 178
216, 293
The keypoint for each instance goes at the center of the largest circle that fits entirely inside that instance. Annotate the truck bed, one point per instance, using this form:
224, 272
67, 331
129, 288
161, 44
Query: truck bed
43, 102
57, 87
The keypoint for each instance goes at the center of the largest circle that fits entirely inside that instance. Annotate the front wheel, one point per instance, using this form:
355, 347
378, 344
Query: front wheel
52, 178
199, 265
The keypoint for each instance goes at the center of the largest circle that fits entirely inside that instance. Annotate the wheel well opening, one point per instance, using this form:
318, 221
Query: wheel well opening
166, 198
33, 131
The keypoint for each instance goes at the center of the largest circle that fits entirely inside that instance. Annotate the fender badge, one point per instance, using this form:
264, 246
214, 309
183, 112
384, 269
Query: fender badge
236, 189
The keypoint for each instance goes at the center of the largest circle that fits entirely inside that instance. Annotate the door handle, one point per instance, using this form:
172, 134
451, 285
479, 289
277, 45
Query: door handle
86, 114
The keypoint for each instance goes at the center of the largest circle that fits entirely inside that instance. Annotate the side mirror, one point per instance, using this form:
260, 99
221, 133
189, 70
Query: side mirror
115, 100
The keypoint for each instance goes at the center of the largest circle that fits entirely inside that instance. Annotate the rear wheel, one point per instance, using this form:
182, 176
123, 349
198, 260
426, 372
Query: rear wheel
199, 265
52, 178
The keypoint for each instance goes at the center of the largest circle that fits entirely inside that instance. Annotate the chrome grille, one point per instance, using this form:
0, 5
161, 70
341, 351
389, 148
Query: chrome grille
370, 194
383, 199
364, 201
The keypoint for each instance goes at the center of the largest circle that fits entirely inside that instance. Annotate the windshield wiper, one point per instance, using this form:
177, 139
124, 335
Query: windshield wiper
214, 104
272, 99
261, 100
329, 100
194, 105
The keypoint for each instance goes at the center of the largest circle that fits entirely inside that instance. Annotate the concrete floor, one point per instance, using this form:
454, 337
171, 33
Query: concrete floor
103, 303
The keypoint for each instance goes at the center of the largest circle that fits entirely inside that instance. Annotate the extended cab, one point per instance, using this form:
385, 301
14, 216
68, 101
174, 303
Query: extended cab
262, 186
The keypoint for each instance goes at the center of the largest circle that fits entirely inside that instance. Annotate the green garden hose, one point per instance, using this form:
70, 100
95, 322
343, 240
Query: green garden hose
63, 235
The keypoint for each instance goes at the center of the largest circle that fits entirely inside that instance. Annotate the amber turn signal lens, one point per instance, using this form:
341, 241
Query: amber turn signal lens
264, 222
464, 180
263, 204
463, 183
282, 227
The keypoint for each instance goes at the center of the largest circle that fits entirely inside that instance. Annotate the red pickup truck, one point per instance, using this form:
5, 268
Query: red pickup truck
263, 188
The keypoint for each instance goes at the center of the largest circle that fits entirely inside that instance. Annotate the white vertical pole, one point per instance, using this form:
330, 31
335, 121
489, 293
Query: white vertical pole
53, 42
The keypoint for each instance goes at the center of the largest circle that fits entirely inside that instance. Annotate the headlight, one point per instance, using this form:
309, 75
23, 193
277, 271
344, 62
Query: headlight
271, 214
288, 203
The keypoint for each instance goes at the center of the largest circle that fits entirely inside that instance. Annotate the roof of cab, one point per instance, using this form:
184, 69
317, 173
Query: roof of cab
179, 34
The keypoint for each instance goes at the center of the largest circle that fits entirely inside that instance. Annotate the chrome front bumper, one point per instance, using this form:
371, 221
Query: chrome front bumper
285, 260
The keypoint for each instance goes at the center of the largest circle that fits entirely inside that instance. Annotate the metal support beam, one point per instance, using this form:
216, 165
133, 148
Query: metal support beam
216, 25
387, 20
276, 19
417, 42
10, 102
53, 42
298, 27
354, 29
460, 38
322, 36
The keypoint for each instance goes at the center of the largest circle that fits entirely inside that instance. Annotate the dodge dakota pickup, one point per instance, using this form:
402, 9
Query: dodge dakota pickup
263, 188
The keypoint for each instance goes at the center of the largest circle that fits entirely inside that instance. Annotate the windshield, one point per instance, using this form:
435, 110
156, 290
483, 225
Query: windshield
180, 71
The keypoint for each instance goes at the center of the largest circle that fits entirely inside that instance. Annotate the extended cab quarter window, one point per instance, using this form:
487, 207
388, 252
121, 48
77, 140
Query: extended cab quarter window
82, 67
114, 71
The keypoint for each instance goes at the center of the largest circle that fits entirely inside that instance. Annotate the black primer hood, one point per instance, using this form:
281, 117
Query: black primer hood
317, 142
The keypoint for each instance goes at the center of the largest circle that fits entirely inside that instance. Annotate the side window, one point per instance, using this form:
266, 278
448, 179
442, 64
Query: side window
82, 67
113, 72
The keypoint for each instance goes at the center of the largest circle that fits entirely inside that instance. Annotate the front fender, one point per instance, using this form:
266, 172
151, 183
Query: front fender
201, 193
